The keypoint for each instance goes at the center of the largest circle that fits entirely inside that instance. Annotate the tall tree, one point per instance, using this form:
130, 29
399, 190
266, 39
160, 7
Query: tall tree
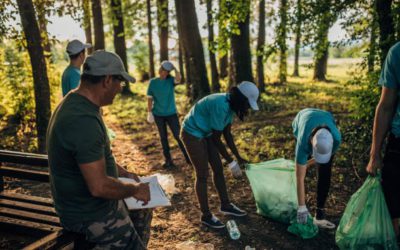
193, 48
87, 25
99, 42
119, 37
325, 20
41, 10
215, 86
240, 44
162, 20
298, 37
39, 70
223, 58
180, 60
372, 40
150, 40
260, 46
386, 26
281, 41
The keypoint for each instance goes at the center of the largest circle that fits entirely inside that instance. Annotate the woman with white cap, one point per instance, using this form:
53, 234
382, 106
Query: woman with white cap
317, 139
201, 132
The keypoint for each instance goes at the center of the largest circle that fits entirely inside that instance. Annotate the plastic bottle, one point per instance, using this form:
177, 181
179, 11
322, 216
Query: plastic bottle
233, 230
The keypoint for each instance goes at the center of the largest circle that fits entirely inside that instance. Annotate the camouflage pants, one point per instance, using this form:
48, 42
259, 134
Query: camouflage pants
119, 229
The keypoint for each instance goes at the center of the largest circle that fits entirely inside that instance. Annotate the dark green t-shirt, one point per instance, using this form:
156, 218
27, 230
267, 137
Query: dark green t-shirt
76, 135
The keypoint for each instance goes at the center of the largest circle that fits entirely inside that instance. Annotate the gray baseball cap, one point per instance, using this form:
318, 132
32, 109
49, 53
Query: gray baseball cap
102, 63
167, 65
75, 46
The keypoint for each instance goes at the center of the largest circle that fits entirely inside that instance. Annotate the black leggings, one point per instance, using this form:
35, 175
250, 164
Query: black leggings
324, 182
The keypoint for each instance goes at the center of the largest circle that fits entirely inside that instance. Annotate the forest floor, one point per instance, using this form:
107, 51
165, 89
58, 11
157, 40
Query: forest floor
265, 135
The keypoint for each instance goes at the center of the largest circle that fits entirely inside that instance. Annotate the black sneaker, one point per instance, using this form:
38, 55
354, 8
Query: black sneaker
233, 210
168, 164
320, 213
212, 222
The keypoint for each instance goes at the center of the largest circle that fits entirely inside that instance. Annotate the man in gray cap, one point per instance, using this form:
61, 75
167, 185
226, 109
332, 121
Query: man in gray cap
72, 74
88, 197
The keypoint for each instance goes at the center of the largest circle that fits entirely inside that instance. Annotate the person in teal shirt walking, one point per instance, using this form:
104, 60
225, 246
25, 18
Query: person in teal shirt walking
317, 139
201, 133
162, 109
72, 74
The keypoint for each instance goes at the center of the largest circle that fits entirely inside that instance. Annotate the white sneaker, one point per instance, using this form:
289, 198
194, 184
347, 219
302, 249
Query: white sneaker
323, 223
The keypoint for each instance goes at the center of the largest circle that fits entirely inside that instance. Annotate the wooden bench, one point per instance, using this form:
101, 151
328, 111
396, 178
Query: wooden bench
32, 215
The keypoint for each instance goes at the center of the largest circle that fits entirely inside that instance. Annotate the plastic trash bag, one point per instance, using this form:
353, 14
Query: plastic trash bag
274, 188
167, 182
366, 223
305, 231
191, 245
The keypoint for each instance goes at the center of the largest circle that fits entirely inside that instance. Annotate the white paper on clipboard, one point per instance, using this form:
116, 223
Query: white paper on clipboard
157, 194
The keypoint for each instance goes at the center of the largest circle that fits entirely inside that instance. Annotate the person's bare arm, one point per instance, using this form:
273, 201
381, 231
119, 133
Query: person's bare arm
383, 116
125, 173
149, 103
178, 77
301, 171
231, 144
103, 186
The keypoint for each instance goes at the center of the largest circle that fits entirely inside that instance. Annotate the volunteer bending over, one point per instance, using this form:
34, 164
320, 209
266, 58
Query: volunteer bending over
201, 133
317, 139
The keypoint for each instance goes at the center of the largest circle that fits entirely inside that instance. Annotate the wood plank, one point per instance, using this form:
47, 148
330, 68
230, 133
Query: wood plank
24, 174
24, 158
56, 240
8, 195
26, 227
29, 216
28, 207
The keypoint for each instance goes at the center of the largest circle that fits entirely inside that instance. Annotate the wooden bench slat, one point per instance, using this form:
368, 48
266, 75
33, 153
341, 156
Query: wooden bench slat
26, 227
28, 207
7, 195
24, 158
29, 216
24, 174
56, 240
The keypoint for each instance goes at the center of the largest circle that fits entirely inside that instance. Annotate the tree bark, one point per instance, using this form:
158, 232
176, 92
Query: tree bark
162, 19
98, 25
386, 26
215, 86
260, 46
298, 38
150, 40
42, 21
282, 33
322, 46
180, 61
119, 37
39, 70
372, 41
191, 41
223, 60
87, 24
241, 55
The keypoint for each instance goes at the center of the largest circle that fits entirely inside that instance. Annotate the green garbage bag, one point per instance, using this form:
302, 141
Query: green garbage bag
366, 223
305, 231
274, 188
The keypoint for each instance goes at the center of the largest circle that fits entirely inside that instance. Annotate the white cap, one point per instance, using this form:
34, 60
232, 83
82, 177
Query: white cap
250, 90
75, 46
322, 144
167, 65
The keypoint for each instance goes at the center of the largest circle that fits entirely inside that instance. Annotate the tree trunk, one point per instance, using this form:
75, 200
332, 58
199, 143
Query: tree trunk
386, 27
98, 25
191, 41
282, 33
150, 41
180, 59
372, 41
260, 46
162, 19
223, 60
119, 37
241, 56
42, 21
39, 70
87, 24
322, 46
298, 38
321, 63
213, 63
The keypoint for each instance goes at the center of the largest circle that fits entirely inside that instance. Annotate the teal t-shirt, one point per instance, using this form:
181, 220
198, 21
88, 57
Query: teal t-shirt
163, 93
77, 135
70, 79
303, 125
210, 113
390, 78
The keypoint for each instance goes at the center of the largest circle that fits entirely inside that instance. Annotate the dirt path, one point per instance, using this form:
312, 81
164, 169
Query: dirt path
180, 222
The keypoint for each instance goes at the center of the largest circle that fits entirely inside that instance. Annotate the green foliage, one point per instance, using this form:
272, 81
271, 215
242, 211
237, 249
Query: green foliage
139, 53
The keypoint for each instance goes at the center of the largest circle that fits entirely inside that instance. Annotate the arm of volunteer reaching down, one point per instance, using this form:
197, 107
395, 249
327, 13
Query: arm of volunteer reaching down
302, 212
216, 137
231, 144
106, 187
